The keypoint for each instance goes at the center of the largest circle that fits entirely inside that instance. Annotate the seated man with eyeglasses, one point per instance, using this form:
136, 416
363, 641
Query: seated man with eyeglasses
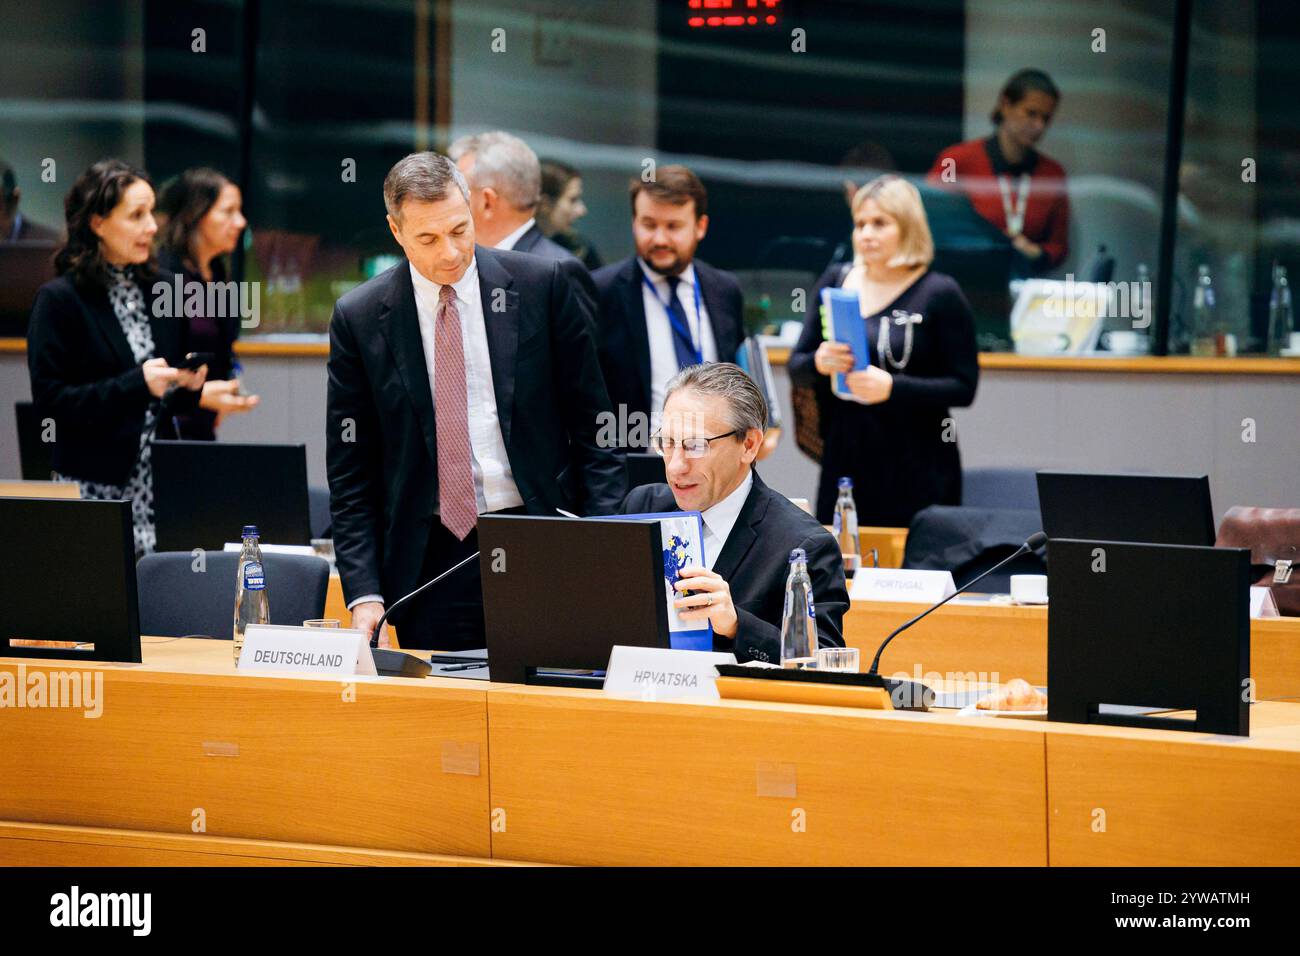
711, 432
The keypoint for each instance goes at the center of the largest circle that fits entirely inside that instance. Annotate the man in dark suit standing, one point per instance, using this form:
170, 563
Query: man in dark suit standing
461, 381
713, 423
505, 180
662, 309
14, 226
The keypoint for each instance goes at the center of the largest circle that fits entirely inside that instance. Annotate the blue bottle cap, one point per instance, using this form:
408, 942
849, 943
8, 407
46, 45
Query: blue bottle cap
798, 554
846, 482
250, 530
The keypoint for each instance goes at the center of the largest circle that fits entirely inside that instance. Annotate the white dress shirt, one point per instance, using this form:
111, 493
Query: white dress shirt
509, 241
663, 357
494, 483
721, 518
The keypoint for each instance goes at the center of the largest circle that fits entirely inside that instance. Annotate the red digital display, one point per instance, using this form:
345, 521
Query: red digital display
733, 13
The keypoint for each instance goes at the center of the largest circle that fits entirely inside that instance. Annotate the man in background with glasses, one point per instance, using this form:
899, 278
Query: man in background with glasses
712, 429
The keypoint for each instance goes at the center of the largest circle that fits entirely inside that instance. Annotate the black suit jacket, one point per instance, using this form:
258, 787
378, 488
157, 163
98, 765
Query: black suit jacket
535, 243
625, 342
29, 231
381, 441
755, 563
85, 378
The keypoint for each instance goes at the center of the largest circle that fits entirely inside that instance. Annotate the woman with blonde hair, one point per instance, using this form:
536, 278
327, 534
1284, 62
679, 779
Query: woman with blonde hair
895, 437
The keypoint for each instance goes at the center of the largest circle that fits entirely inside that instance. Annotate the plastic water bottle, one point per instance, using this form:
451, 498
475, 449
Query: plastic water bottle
846, 527
251, 604
798, 623
1205, 321
1144, 297
1281, 320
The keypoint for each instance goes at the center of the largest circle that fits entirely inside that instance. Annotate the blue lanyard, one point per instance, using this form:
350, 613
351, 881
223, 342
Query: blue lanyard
685, 333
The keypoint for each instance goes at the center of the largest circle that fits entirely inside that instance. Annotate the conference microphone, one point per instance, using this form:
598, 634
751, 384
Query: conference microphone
398, 663
910, 701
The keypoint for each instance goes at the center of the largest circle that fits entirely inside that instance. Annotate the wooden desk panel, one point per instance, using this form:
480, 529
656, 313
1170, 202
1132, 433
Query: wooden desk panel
1001, 640
585, 779
1176, 799
38, 844
263, 758
1004, 641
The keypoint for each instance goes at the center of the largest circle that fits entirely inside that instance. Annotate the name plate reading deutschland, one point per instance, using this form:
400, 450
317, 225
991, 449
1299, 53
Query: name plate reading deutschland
656, 673
305, 650
898, 584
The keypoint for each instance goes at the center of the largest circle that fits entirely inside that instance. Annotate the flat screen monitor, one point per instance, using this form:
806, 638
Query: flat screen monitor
538, 613
71, 580
1149, 635
1150, 509
206, 491
644, 468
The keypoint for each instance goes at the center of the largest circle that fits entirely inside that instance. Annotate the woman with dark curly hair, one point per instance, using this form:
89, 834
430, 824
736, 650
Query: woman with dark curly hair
102, 361
202, 222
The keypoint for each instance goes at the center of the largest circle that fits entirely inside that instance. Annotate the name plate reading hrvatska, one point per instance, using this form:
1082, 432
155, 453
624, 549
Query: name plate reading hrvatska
656, 673
274, 648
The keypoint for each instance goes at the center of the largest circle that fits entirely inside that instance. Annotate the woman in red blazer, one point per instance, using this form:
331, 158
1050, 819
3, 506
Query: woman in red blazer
1009, 182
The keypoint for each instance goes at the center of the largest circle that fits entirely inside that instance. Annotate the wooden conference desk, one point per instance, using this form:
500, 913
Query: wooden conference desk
1010, 641
448, 771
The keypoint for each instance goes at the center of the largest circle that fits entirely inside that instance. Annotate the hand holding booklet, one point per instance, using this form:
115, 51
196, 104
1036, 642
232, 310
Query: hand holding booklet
844, 324
683, 547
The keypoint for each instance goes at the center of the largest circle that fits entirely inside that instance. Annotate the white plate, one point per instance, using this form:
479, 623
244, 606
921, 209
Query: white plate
973, 711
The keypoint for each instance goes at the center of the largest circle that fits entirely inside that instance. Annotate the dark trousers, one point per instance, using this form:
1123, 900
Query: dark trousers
448, 616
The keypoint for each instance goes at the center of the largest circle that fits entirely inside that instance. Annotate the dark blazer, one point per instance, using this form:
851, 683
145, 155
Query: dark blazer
85, 378
625, 342
381, 442
755, 563
535, 243
29, 231
901, 453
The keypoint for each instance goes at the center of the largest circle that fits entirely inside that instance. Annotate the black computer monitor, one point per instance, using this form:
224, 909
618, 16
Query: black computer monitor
644, 468
71, 580
1154, 509
541, 608
205, 492
1134, 629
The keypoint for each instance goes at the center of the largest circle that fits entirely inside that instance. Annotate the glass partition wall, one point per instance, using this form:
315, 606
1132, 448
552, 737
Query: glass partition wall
1168, 231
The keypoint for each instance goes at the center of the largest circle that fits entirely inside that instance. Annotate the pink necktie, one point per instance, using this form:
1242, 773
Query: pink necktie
456, 500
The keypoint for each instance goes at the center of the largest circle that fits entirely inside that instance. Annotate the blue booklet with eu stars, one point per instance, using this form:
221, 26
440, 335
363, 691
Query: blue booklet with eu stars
843, 322
683, 540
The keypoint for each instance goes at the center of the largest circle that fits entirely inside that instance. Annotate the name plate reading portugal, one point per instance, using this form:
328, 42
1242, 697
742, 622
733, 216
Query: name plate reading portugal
656, 673
898, 584
306, 650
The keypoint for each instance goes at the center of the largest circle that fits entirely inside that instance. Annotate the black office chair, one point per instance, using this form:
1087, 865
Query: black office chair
318, 507
178, 601
999, 488
36, 456
967, 541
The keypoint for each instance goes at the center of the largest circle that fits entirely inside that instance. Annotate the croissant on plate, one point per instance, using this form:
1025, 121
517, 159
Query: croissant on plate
1015, 694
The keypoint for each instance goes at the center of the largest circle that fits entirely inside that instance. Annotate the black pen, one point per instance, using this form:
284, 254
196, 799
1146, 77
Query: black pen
464, 667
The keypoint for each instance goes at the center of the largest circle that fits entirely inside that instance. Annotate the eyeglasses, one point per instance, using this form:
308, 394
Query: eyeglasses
693, 447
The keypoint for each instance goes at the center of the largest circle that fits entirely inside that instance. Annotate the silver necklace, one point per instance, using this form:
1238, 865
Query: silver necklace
900, 317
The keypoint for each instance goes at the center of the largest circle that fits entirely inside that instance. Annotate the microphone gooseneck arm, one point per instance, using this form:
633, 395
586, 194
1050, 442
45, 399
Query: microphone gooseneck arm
1035, 541
374, 636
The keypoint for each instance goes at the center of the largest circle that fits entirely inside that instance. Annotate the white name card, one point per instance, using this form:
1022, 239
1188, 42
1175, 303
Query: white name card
653, 673
306, 650
304, 549
897, 584
1262, 603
